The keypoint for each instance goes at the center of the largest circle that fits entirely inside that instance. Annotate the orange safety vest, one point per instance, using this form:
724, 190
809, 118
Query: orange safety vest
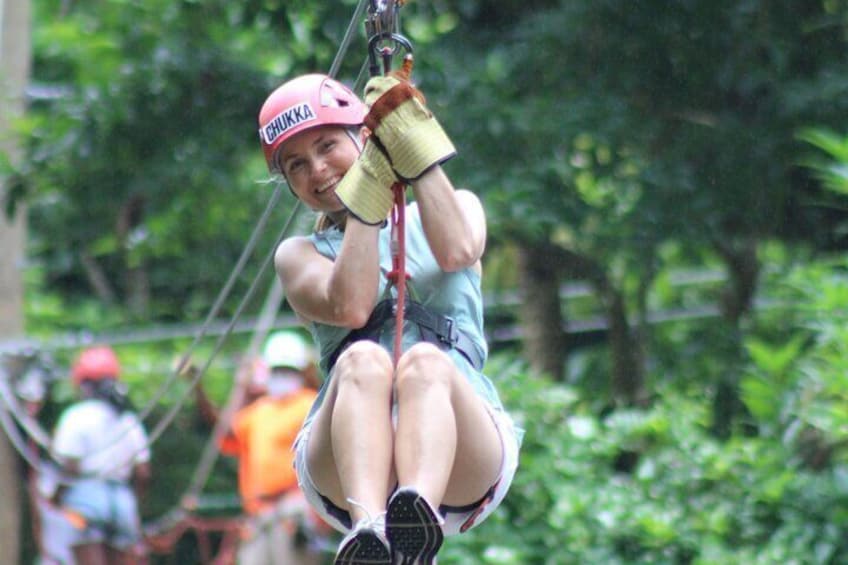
261, 437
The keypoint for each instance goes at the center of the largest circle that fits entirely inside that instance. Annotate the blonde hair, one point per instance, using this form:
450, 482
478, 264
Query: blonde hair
325, 222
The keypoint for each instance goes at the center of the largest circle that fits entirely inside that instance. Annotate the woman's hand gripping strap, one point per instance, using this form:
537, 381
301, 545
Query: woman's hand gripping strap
411, 136
366, 189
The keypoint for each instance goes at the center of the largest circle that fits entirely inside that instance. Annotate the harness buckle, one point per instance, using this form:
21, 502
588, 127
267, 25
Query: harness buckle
450, 335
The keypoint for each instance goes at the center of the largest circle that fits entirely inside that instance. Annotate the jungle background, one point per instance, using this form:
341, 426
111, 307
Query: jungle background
666, 277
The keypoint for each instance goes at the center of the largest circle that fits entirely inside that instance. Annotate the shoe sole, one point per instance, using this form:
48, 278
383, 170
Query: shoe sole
413, 529
364, 549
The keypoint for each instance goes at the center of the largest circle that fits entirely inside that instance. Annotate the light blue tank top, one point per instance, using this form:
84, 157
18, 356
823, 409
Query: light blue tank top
457, 295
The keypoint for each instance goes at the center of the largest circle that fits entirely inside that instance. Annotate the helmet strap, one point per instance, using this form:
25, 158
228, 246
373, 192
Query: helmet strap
355, 134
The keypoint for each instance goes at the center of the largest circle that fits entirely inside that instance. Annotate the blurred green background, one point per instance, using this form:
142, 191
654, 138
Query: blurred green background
667, 191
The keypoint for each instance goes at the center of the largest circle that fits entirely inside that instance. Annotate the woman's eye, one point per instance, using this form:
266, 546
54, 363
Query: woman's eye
329, 145
294, 166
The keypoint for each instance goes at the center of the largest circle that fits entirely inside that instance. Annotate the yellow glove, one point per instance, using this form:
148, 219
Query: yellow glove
366, 189
410, 134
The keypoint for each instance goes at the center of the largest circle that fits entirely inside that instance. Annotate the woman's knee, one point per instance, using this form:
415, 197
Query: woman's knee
424, 365
364, 364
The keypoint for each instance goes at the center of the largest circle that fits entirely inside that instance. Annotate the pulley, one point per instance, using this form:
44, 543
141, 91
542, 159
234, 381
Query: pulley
382, 26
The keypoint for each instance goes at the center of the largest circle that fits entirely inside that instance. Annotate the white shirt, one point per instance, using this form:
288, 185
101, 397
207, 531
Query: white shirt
106, 443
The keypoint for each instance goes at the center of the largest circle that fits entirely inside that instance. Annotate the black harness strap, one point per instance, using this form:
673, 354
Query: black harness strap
435, 328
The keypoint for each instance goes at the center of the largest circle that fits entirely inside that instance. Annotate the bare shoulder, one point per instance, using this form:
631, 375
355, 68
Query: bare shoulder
291, 254
466, 195
468, 199
472, 207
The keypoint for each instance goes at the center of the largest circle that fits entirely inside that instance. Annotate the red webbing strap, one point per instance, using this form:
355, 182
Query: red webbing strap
397, 275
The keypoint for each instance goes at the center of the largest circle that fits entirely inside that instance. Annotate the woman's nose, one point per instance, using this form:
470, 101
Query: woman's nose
319, 165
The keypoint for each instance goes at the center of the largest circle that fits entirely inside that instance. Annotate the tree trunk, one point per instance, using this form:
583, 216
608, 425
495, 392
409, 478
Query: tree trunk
137, 288
628, 371
627, 380
14, 74
541, 314
138, 291
743, 268
97, 279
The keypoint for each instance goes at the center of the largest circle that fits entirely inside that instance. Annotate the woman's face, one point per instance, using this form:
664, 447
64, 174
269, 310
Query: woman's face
314, 161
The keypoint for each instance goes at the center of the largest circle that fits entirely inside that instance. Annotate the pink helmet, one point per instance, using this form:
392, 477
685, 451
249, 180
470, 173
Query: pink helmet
96, 363
302, 103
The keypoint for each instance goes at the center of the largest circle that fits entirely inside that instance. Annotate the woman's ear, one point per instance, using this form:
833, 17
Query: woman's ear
364, 133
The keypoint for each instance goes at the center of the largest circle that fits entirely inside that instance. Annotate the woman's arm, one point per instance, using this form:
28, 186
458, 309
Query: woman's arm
341, 292
454, 220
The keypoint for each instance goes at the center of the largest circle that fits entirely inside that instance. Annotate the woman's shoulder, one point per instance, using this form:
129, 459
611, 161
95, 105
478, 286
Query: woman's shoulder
294, 242
294, 248
468, 198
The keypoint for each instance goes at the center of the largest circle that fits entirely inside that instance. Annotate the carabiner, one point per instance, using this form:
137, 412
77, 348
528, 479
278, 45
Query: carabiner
377, 46
384, 38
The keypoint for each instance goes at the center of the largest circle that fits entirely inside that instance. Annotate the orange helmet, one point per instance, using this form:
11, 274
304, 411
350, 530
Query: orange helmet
96, 363
305, 102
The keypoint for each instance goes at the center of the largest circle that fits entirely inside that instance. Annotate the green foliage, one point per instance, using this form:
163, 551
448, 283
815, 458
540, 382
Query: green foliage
833, 171
614, 130
141, 143
830, 165
141, 163
651, 486
797, 383
635, 134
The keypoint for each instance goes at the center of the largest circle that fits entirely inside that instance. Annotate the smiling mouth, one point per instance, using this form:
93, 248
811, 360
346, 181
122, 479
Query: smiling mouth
328, 186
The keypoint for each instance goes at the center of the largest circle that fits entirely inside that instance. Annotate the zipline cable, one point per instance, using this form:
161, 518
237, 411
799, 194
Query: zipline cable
181, 398
33, 429
239, 267
14, 409
235, 400
276, 296
14, 435
8, 423
29, 424
348, 37
216, 307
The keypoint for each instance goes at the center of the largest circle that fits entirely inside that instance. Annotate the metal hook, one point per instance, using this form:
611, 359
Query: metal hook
377, 46
384, 39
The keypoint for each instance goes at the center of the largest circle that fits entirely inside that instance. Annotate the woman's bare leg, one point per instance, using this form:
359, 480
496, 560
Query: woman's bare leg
350, 445
446, 445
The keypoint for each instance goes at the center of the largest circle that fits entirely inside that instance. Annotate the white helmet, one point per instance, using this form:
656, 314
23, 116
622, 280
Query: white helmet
286, 349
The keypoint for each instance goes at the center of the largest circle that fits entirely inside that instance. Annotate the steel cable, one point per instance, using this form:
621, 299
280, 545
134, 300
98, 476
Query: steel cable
10, 411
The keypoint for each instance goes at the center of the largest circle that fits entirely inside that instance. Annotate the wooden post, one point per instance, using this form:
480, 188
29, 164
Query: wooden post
14, 74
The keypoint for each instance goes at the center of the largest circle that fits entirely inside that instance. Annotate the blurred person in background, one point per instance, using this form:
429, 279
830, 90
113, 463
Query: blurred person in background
279, 527
104, 449
31, 371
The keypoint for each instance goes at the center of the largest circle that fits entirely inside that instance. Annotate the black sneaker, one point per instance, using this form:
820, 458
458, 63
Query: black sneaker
365, 544
413, 527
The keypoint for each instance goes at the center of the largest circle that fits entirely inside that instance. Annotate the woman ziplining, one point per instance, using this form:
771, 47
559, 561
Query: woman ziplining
395, 453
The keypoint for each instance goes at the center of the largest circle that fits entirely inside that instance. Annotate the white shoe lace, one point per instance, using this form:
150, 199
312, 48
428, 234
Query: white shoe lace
376, 523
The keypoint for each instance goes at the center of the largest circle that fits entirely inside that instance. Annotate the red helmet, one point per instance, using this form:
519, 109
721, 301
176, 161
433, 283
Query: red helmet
96, 363
302, 103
